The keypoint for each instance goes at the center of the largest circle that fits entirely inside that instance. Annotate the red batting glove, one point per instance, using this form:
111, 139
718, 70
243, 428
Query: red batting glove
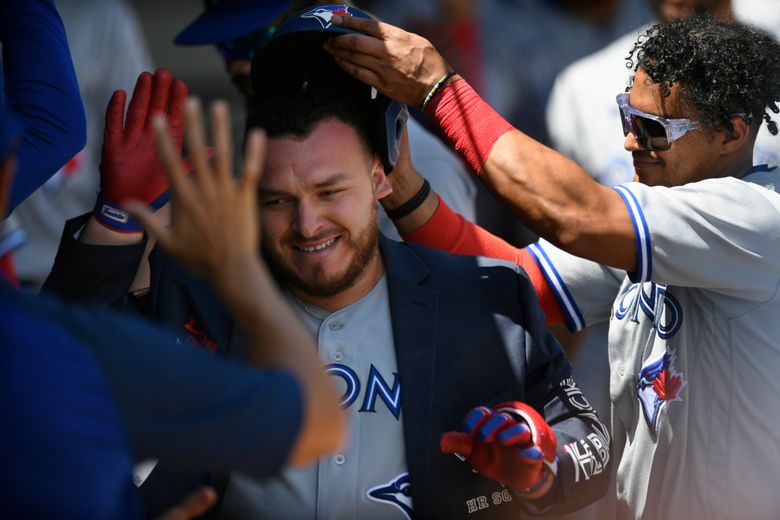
129, 167
510, 443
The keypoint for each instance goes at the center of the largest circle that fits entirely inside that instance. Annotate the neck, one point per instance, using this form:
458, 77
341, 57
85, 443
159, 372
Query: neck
361, 286
737, 165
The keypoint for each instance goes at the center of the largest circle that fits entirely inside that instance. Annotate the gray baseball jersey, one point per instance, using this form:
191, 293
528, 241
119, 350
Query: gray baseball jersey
693, 347
356, 344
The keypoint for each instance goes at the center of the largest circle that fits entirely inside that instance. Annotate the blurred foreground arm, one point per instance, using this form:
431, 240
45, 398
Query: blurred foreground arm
41, 89
215, 231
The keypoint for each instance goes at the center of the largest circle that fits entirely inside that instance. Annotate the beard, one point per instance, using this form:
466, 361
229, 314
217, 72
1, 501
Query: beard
364, 246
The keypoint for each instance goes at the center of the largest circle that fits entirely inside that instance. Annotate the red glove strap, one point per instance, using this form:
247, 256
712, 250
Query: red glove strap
471, 125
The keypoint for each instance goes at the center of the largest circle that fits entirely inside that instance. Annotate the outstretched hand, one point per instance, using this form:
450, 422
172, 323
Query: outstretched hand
511, 444
130, 166
215, 217
399, 64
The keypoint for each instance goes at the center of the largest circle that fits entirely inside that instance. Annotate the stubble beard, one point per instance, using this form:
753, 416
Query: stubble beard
365, 247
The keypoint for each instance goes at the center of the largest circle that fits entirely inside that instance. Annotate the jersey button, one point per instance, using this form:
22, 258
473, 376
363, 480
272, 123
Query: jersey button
339, 459
337, 356
621, 370
335, 325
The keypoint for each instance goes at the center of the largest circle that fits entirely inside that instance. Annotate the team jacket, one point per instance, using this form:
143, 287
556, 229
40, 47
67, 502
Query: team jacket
467, 332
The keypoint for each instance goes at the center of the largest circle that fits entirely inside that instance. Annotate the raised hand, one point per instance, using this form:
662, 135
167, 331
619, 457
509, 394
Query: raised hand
215, 217
510, 443
130, 167
399, 64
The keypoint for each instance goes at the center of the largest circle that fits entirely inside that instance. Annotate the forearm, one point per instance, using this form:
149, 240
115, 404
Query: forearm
584, 452
277, 339
41, 89
548, 193
84, 271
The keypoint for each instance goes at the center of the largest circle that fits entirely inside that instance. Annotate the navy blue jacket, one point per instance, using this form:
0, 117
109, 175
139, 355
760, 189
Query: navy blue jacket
468, 332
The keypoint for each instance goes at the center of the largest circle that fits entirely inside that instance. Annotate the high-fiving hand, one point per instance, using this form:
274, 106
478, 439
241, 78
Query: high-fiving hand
215, 217
130, 167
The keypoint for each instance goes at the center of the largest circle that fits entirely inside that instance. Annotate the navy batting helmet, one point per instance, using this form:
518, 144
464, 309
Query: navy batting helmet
293, 60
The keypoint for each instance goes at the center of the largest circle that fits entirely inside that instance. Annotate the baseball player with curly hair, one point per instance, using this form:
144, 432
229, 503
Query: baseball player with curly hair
684, 261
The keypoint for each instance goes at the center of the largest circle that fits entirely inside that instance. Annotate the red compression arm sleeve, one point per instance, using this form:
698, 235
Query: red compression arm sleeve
471, 125
448, 231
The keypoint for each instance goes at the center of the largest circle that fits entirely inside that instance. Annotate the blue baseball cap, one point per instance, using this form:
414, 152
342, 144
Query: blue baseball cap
293, 57
225, 20
318, 19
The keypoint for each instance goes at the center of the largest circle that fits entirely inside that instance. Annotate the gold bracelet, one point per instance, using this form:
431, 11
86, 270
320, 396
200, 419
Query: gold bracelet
435, 88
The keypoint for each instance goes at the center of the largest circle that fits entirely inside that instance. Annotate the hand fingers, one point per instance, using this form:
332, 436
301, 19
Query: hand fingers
169, 156
223, 142
196, 142
115, 115
531, 456
364, 25
360, 59
516, 434
493, 426
139, 105
254, 160
161, 86
176, 106
155, 224
476, 418
459, 443
196, 503
367, 76
359, 43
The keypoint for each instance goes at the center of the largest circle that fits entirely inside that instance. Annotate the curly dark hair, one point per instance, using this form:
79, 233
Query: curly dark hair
722, 68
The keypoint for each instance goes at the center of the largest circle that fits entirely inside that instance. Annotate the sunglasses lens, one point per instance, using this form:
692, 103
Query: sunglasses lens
650, 134
624, 121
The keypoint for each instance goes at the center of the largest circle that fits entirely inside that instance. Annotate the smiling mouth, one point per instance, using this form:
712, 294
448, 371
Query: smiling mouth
318, 247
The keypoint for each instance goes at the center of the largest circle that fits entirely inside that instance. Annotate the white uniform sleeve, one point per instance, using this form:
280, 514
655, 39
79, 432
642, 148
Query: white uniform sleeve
585, 290
719, 234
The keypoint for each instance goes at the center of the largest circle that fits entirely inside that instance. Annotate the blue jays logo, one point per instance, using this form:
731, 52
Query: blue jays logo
397, 492
324, 14
660, 306
659, 383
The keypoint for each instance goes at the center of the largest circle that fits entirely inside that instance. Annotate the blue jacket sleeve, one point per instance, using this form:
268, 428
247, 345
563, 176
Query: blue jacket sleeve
42, 91
195, 410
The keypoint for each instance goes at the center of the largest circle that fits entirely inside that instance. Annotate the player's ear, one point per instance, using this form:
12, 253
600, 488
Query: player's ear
731, 141
379, 180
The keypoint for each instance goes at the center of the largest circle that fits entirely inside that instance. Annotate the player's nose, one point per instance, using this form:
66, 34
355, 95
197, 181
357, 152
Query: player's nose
308, 219
631, 144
